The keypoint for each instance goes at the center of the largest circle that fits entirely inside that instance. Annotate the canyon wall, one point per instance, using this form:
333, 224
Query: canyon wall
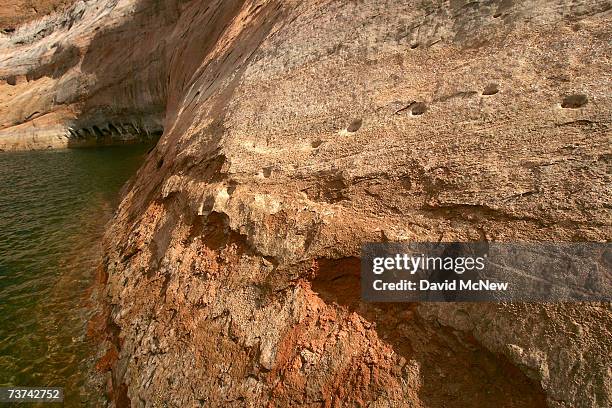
16, 12
94, 74
294, 131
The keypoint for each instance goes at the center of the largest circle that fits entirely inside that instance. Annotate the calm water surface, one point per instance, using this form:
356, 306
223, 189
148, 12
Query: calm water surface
53, 209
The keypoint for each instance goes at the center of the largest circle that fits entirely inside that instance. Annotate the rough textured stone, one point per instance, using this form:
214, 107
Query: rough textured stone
91, 74
15, 12
293, 132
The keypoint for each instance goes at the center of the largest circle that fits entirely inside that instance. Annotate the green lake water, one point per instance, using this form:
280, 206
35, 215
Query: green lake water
53, 209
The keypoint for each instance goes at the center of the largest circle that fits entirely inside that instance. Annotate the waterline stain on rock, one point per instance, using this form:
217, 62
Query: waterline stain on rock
255, 301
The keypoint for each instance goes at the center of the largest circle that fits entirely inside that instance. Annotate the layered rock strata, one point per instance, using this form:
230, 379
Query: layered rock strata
77, 78
15, 12
293, 132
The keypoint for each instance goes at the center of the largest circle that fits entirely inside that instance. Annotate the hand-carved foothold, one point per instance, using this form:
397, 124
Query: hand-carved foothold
355, 125
418, 108
491, 89
574, 101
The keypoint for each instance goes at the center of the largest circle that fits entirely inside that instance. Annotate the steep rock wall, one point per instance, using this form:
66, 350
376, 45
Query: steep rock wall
95, 73
293, 132
15, 12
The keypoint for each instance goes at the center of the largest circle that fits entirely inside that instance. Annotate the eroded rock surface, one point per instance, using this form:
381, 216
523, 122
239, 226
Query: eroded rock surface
93, 74
15, 12
296, 130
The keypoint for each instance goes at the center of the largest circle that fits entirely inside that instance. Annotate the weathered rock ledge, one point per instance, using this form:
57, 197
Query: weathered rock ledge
89, 75
293, 132
16, 12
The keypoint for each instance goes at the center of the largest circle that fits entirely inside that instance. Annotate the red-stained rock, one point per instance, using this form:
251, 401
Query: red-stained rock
295, 131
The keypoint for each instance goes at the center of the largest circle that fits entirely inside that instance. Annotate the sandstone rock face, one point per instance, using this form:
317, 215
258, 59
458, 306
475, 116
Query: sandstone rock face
294, 131
15, 12
89, 75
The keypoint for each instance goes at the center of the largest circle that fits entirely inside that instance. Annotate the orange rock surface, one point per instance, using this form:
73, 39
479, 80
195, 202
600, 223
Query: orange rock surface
295, 131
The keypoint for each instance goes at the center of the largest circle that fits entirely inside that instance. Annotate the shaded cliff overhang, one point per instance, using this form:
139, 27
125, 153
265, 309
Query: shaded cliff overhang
97, 65
293, 132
